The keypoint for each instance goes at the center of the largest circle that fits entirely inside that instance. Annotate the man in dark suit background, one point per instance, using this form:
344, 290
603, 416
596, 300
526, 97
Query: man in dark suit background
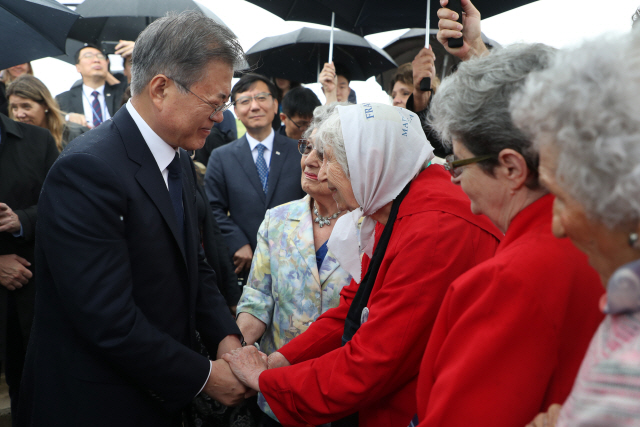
259, 171
95, 99
26, 155
122, 282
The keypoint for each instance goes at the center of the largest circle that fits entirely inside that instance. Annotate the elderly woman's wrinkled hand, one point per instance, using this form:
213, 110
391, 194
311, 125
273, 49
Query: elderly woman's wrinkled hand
277, 360
247, 364
547, 419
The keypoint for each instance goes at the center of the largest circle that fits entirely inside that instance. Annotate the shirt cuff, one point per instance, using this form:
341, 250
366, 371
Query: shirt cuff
205, 383
19, 234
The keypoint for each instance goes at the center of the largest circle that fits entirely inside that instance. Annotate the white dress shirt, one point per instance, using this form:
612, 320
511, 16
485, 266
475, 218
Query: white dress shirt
87, 100
163, 154
267, 142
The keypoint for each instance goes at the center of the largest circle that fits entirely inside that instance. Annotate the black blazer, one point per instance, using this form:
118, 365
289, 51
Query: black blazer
26, 155
119, 294
233, 185
71, 100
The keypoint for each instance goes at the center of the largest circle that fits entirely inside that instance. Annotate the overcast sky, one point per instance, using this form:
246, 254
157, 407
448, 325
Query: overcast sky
558, 23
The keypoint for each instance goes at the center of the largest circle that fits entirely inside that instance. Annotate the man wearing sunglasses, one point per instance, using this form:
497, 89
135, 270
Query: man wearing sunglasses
256, 172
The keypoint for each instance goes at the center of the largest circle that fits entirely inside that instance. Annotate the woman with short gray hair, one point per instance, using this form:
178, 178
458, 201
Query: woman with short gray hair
584, 117
511, 332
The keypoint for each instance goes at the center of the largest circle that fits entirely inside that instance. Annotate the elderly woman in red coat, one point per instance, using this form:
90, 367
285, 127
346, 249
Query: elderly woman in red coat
358, 363
511, 332
583, 115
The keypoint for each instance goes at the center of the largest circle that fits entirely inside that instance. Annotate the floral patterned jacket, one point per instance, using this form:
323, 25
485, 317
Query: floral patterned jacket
285, 290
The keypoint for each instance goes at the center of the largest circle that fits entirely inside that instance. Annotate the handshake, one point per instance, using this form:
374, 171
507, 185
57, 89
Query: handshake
234, 377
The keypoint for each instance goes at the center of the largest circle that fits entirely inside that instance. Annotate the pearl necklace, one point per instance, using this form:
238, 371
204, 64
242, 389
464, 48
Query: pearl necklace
321, 220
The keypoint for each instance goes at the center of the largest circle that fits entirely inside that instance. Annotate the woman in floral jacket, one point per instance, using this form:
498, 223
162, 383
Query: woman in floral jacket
293, 277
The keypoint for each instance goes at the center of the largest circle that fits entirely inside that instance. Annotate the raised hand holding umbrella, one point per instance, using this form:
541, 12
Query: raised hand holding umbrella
425, 83
468, 31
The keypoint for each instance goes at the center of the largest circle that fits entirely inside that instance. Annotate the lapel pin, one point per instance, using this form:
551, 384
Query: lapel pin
108, 94
278, 153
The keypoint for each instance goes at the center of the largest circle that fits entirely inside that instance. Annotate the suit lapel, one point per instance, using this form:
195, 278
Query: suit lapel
329, 265
300, 236
243, 154
278, 159
109, 99
76, 99
148, 176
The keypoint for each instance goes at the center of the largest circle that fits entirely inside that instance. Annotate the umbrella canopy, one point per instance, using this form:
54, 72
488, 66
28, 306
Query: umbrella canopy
365, 17
299, 55
113, 20
32, 29
404, 49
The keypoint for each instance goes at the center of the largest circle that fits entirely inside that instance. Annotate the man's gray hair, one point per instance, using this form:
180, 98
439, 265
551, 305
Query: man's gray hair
180, 46
327, 120
472, 105
586, 106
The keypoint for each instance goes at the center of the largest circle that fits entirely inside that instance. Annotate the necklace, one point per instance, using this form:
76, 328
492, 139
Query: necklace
322, 220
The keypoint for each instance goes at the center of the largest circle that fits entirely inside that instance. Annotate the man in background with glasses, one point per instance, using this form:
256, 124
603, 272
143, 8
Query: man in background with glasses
256, 172
297, 111
95, 99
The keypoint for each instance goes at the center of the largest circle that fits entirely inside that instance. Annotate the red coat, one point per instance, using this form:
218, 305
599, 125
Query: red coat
512, 332
435, 239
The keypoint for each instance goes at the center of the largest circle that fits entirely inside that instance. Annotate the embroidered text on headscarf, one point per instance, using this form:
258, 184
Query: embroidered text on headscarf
385, 149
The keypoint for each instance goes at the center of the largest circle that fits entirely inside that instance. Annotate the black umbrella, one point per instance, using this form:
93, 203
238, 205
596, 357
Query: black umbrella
32, 29
298, 55
113, 20
365, 17
403, 49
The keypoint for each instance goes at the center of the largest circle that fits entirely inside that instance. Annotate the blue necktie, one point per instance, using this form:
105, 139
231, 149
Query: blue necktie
175, 192
97, 110
263, 169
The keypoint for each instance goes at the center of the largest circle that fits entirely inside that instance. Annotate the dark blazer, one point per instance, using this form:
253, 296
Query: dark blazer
120, 296
216, 251
71, 100
233, 185
26, 155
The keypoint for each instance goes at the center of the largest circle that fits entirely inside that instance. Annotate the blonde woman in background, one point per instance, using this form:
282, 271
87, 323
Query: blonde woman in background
31, 102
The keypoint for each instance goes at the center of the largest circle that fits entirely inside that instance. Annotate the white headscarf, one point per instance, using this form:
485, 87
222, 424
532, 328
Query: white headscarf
385, 149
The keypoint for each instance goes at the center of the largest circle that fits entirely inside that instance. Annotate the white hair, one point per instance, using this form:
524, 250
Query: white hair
326, 120
586, 106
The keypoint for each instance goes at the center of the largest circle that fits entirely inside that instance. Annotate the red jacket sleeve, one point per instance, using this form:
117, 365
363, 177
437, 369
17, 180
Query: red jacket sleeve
509, 339
325, 334
426, 253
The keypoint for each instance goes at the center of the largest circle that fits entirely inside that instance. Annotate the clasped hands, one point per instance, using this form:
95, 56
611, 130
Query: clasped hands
234, 376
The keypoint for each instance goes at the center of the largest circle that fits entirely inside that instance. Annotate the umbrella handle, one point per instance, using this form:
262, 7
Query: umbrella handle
456, 6
425, 84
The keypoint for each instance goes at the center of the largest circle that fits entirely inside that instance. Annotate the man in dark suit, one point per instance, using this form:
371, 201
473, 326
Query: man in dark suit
259, 171
122, 282
94, 99
26, 155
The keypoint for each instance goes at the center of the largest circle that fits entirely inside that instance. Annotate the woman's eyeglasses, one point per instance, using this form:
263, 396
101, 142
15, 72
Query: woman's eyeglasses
455, 166
305, 147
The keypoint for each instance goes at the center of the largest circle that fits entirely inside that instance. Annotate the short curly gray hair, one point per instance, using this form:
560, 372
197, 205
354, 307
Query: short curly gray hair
586, 106
331, 133
472, 105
